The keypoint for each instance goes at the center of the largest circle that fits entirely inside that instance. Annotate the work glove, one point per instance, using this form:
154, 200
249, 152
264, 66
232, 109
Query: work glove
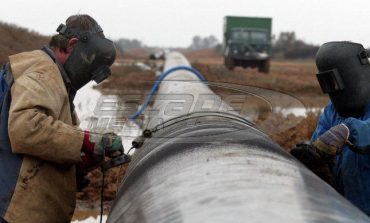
333, 139
318, 162
96, 146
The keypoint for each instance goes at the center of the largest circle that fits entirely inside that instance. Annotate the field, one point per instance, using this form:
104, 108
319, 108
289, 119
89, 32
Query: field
293, 78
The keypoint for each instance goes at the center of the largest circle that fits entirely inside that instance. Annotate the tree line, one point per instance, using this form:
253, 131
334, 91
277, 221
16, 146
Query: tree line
288, 46
285, 46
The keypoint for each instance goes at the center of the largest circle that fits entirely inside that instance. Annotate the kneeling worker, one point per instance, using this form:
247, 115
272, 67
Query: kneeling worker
342, 136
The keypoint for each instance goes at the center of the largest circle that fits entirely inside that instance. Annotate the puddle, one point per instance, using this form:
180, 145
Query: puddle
296, 111
142, 66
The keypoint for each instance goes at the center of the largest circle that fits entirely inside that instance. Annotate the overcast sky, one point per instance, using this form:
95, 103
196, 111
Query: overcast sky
175, 22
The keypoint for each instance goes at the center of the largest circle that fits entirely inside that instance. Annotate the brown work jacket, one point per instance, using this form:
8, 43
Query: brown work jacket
42, 128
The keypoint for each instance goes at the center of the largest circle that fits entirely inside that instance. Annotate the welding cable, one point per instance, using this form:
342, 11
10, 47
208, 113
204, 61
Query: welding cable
158, 82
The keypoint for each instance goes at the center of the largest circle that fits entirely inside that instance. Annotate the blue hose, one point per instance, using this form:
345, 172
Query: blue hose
158, 82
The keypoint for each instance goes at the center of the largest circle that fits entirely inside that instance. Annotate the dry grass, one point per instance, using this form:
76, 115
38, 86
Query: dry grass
294, 77
128, 79
15, 39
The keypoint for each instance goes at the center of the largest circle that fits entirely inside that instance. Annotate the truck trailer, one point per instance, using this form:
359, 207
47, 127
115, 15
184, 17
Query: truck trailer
247, 42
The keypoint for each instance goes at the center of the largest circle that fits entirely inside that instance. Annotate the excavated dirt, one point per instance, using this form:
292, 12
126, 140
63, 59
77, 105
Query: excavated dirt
296, 78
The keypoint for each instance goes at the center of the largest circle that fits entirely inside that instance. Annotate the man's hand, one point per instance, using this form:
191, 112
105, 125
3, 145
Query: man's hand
96, 146
315, 160
333, 139
306, 153
111, 143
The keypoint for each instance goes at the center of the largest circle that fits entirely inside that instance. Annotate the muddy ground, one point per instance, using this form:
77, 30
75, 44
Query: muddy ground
294, 78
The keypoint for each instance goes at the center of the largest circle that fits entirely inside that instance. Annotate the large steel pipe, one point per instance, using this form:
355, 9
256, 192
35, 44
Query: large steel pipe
216, 167
181, 93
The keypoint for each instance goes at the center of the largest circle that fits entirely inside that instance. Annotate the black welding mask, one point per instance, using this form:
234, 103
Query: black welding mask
91, 58
344, 74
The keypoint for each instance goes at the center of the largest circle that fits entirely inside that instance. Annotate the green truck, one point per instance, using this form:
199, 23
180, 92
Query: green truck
247, 42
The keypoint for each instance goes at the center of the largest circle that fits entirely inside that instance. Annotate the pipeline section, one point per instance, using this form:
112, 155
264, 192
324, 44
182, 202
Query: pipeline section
207, 164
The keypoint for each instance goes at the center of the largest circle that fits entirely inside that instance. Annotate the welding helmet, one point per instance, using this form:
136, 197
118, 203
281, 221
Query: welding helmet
91, 58
344, 74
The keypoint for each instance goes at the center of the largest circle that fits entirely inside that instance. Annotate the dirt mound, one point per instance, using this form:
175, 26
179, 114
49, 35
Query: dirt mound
88, 200
287, 135
15, 39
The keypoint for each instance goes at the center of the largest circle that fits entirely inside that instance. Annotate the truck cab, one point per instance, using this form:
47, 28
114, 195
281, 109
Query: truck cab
247, 42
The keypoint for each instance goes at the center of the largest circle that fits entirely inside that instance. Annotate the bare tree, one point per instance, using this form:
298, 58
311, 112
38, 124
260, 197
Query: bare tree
203, 43
288, 46
125, 44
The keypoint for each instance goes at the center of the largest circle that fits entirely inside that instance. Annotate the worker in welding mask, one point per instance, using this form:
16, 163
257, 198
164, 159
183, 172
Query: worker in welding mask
44, 145
342, 136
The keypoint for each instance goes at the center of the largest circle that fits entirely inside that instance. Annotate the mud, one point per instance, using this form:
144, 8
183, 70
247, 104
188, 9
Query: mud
88, 200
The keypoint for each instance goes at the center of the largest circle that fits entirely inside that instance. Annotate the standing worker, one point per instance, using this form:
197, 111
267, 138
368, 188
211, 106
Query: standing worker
41, 143
342, 136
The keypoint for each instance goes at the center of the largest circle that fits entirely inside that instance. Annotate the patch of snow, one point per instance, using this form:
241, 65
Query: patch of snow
92, 220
